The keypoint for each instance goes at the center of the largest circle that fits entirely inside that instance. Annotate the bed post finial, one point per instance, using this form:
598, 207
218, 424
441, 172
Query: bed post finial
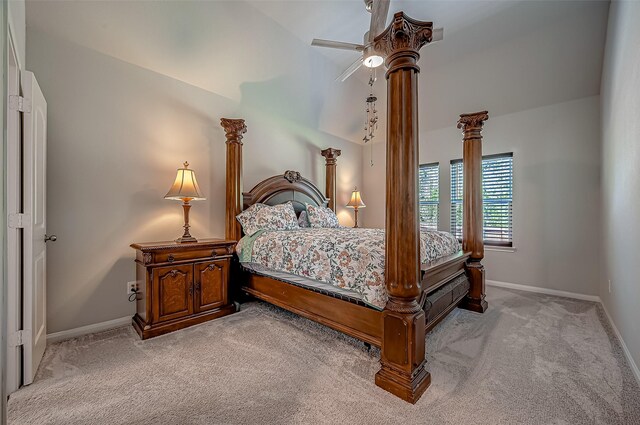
472, 237
234, 129
331, 158
403, 370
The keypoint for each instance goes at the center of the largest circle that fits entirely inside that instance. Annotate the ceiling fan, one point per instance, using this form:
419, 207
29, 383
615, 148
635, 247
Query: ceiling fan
379, 10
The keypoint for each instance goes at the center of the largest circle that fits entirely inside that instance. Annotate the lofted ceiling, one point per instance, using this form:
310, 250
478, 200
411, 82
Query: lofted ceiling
504, 56
347, 20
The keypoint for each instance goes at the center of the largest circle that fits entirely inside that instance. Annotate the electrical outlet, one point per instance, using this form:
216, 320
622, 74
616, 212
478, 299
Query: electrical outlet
609, 285
132, 287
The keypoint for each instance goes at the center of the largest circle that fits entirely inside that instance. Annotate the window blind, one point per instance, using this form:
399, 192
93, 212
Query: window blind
429, 199
497, 198
456, 198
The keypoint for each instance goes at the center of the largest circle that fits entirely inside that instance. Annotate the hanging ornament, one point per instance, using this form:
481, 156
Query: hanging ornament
371, 115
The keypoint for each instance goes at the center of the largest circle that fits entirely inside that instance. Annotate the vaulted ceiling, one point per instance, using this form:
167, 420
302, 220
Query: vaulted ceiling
504, 56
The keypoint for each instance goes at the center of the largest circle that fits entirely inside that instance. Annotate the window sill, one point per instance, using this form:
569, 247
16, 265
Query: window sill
499, 248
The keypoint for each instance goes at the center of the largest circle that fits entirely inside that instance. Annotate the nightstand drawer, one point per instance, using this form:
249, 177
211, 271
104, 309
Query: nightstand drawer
171, 257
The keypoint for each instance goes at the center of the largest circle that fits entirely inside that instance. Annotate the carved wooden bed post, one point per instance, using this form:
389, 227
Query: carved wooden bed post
234, 129
331, 157
472, 237
403, 371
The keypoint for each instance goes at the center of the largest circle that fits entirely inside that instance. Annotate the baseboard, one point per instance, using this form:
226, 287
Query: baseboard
538, 290
84, 330
625, 349
566, 294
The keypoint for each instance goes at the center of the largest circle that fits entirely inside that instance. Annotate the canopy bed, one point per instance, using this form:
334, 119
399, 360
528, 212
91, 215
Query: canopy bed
419, 291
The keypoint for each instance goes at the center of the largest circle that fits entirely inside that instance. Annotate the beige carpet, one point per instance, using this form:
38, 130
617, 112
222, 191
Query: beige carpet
531, 359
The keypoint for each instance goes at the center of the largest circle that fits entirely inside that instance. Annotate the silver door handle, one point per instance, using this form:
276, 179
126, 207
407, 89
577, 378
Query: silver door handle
51, 238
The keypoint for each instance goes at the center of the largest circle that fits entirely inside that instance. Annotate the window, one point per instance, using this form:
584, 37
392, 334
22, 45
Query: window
429, 200
497, 199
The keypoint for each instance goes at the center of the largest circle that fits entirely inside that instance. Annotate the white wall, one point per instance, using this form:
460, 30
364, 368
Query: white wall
556, 209
16, 17
621, 171
118, 131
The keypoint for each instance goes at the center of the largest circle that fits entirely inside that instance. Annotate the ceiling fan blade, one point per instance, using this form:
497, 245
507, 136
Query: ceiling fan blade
337, 45
379, 12
437, 34
352, 68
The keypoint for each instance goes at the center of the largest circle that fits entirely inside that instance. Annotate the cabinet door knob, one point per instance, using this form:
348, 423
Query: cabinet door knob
51, 238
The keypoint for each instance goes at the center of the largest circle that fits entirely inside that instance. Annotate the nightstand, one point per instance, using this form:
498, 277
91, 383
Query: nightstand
181, 284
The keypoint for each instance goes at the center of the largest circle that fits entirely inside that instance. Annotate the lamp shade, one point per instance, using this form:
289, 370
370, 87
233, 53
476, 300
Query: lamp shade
185, 186
356, 200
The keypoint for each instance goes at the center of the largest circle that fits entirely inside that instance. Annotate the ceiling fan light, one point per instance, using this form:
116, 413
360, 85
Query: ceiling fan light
373, 61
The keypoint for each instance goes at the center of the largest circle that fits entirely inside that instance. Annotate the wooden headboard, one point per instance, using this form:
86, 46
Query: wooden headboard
290, 186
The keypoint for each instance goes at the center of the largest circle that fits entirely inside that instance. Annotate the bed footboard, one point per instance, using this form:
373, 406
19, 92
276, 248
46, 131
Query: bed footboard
360, 322
445, 286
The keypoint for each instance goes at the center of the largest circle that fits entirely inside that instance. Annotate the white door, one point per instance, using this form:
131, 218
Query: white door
35, 203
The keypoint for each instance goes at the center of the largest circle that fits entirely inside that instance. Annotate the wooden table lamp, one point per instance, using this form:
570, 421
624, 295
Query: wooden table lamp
355, 203
185, 189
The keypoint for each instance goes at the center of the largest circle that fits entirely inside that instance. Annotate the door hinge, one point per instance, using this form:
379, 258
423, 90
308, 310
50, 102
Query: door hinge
17, 221
19, 103
18, 338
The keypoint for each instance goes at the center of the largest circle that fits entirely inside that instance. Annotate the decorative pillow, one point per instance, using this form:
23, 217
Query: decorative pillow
321, 217
303, 220
247, 218
277, 217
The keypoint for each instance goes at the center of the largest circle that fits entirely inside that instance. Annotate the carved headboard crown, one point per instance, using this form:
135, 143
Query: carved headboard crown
290, 186
292, 176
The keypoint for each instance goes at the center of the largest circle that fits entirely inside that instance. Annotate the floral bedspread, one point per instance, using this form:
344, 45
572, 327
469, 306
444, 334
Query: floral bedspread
345, 257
